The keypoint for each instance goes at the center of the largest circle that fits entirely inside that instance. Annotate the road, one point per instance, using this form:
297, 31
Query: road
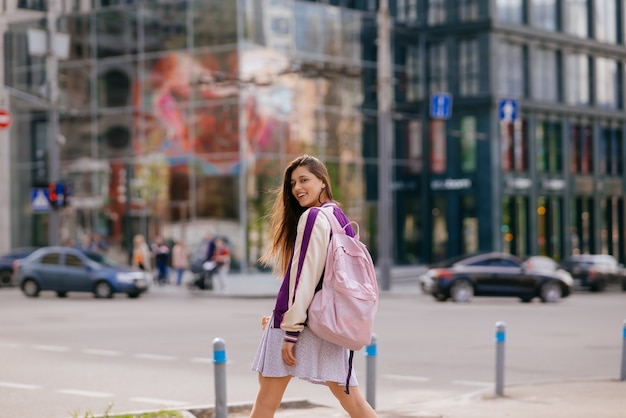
64, 357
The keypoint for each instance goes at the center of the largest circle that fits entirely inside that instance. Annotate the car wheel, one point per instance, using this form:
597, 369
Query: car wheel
103, 290
6, 278
30, 288
440, 298
462, 291
134, 295
62, 294
526, 300
551, 292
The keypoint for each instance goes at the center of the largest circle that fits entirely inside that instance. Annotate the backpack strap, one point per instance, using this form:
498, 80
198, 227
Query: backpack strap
335, 225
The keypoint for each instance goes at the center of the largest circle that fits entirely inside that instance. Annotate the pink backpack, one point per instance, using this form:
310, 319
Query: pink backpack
343, 311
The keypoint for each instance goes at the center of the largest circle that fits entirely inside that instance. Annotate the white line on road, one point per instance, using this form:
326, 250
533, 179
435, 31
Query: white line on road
19, 386
102, 352
407, 378
87, 393
160, 357
156, 401
56, 348
9, 345
471, 383
207, 360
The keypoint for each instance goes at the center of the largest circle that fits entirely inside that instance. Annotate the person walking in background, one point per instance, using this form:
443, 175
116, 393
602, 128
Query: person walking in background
299, 238
161, 257
221, 257
180, 260
141, 257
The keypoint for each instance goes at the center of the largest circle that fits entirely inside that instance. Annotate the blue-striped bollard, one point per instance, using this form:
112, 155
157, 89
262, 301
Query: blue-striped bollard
623, 374
500, 340
219, 359
370, 353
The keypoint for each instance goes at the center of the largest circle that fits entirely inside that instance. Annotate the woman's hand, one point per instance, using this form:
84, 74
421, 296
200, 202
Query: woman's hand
264, 321
289, 353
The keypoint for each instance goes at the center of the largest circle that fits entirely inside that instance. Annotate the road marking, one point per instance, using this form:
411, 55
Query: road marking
102, 352
87, 393
407, 378
207, 360
471, 383
9, 345
159, 357
55, 348
19, 386
160, 401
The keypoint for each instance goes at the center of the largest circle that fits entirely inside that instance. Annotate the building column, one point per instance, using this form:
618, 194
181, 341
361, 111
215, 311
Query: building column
5, 152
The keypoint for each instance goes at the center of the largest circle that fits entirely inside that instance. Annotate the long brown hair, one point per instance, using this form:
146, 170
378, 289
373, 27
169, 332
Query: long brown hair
286, 212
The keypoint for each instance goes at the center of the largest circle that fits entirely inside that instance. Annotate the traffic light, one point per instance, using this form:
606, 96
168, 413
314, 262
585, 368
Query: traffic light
52, 195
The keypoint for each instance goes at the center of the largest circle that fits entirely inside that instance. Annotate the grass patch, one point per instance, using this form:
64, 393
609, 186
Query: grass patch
107, 414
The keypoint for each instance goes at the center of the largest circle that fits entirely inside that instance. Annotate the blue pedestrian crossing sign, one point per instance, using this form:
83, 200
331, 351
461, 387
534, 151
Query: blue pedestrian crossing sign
508, 109
441, 106
39, 200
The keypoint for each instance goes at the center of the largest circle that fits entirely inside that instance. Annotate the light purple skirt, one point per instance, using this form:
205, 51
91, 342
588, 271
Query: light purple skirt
317, 361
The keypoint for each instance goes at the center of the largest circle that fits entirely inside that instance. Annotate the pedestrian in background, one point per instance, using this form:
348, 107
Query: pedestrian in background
221, 257
141, 257
299, 238
180, 260
161, 258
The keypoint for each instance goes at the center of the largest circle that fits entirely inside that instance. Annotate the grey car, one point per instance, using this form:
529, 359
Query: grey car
64, 269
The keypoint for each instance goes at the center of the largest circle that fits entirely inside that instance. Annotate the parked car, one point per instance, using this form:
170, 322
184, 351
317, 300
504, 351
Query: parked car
65, 269
541, 262
6, 264
595, 271
493, 274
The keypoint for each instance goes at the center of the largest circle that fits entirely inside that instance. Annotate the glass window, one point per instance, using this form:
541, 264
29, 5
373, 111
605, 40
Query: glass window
511, 70
407, 11
607, 82
438, 149
116, 32
575, 21
73, 261
469, 67
414, 76
514, 146
548, 140
577, 81
214, 22
549, 224
515, 224
510, 10
165, 27
543, 14
439, 228
468, 144
51, 258
544, 75
470, 224
610, 152
605, 20
581, 151
438, 67
468, 10
436, 11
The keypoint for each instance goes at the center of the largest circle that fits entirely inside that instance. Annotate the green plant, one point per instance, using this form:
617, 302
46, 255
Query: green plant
108, 414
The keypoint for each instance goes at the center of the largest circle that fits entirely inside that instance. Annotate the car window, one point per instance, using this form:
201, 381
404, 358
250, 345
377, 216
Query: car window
51, 258
498, 262
73, 261
100, 259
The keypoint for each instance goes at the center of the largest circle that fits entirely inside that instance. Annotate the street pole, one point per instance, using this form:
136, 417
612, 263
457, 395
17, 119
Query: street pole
385, 146
52, 71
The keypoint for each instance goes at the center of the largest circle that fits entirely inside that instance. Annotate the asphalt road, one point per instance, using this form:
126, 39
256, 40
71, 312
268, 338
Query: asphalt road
65, 357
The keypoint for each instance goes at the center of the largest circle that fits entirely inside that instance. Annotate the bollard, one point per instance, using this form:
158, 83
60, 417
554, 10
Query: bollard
500, 340
219, 359
371, 353
623, 376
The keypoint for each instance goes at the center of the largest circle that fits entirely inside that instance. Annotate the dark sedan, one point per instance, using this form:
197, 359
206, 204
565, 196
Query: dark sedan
595, 271
493, 274
6, 264
64, 269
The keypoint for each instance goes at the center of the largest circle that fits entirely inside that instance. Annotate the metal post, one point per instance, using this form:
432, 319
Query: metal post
500, 339
623, 374
385, 145
219, 359
371, 352
52, 71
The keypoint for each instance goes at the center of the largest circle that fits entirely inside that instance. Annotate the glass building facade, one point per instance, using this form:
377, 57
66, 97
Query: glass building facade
179, 116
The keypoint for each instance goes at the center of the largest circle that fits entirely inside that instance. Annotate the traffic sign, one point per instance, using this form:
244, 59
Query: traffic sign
39, 200
5, 119
508, 109
441, 105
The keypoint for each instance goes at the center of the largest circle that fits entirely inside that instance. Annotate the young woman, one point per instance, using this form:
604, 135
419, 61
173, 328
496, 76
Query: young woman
299, 238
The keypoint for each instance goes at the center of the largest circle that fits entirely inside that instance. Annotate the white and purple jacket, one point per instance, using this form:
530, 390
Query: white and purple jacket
305, 269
